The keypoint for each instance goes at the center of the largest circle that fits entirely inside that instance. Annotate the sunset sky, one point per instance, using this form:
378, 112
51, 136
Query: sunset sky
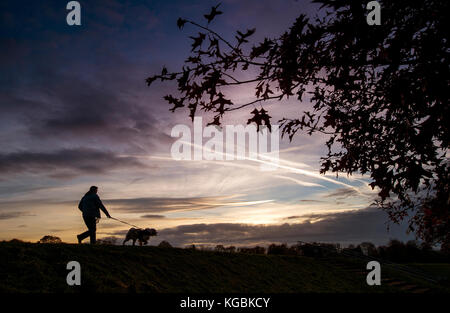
75, 111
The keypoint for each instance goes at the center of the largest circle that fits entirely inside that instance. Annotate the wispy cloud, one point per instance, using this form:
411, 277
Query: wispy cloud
342, 193
299, 182
140, 205
13, 215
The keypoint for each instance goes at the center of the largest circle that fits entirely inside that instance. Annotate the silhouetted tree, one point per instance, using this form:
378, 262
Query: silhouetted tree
253, 250
279, 249
164, 244
315, 249
398, 251
380, 94
16, 241
112, 240
50, 239
230, 249
368, 248
219, 248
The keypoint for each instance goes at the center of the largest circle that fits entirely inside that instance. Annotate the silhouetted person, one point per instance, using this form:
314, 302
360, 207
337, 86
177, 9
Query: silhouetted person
90, 205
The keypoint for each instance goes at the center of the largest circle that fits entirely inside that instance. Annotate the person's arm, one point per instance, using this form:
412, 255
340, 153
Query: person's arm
102, 207
80, 205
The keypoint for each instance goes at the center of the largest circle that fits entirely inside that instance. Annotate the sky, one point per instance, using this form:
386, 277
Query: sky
75, 111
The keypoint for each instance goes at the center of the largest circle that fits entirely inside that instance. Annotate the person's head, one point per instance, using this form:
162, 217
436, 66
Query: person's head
93, 189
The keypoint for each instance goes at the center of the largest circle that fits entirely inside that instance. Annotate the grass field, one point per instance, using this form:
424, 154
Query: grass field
27, 267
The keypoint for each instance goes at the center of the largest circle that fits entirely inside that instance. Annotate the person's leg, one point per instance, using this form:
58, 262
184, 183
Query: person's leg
83, 236
86, 234
93, 232
91, 224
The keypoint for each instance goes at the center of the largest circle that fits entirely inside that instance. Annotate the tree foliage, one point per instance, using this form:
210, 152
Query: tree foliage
50, 239
378, 92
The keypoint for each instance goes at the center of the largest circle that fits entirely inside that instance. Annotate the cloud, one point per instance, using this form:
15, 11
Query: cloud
299, 182
65, 162
158, 205
79, 87
153, 216
82, 112
348, 227
342, 193
12, 215
144, 205
117, 233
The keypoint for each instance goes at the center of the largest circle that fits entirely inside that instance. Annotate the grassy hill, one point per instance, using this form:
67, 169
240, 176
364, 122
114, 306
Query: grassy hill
28, 267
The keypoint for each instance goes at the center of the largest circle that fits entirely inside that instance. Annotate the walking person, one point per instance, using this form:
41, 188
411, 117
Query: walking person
91, 205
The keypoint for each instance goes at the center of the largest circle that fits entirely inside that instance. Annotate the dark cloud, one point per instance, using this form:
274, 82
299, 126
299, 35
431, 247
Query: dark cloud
66, 162
153, 216
346, 228
10, 188
81, 112
82, 109
342, 193
83, 86
311, 201
159, 205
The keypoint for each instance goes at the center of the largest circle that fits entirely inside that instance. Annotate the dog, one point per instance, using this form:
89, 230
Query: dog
142, 235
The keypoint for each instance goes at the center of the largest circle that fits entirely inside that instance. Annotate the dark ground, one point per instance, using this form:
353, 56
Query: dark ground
28, 267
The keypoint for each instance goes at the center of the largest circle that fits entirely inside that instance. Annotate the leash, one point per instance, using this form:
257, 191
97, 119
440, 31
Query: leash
125, 222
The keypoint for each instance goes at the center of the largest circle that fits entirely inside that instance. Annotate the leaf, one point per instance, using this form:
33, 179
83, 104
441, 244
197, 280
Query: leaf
213, 13
216, 121
260, 117
197, 40
259, 89
181, 22
151, 79
241, 38
182, 81
261, 48
265, 118
248, 33
178, 103
221, 101
193, 60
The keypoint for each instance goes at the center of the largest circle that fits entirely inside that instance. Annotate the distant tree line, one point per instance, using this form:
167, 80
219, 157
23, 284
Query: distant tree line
395, 250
